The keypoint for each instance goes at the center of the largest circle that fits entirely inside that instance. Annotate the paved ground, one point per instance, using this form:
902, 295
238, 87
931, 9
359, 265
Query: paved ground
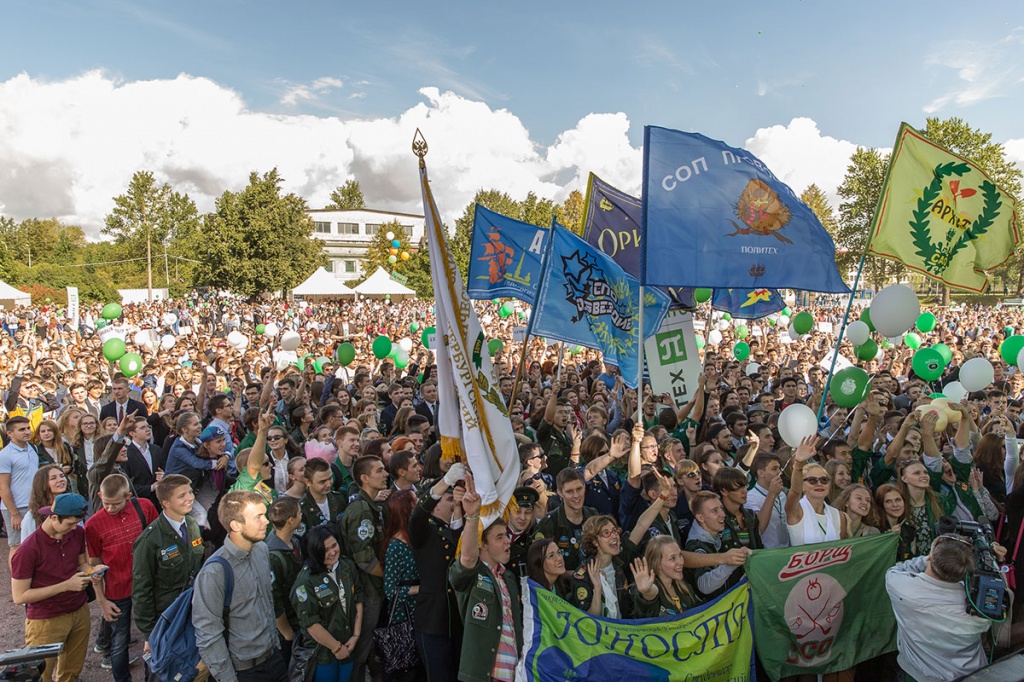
12, 629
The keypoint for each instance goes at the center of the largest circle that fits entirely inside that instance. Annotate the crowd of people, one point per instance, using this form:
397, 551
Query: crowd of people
324, 488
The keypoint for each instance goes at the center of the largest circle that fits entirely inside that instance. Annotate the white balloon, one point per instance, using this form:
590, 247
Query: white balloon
880, 354
405, 344
896, 340
271, 330
723, 325
235, 338
793, 333
714, 337
783, 320
1020, 360
244, 344
169, 319
955, 391
390, 235
290, 340
857, 333
796, 423
167, 341
976, 374
144, 338
894, 310
753, 368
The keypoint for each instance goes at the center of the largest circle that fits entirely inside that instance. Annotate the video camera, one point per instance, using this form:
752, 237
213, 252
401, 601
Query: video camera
986, 587
26, 665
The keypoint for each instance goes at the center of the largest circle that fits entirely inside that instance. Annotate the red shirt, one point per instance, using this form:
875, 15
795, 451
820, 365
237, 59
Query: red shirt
47, 562
111, 537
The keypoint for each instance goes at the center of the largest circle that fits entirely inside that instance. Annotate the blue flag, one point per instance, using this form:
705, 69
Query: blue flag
505, 257
715, 216
612, 224
748, 304
587, 299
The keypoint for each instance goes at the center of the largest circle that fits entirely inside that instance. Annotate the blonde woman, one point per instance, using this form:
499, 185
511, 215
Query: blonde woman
809, 518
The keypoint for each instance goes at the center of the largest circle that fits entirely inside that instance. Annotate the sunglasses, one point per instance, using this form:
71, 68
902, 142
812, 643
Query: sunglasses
692, 474
275, 437
818, 480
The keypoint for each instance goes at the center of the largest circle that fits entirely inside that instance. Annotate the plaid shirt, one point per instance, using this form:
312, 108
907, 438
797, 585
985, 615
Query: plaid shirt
507, 658
110, 538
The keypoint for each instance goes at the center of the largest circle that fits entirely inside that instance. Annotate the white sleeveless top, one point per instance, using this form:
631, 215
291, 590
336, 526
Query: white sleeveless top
814, 528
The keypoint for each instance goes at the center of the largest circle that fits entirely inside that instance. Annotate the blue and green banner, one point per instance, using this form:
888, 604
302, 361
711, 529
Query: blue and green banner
712, 643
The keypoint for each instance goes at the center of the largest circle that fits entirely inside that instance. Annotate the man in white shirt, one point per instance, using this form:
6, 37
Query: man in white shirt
767, 498
18, 466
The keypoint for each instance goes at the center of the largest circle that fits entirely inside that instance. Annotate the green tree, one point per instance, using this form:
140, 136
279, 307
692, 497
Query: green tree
149, 214
258, 240
570, 213
859, 192
378, 253
976, 146
8, 232
349, 195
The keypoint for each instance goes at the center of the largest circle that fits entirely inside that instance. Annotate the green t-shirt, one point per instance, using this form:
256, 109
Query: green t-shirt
247, 482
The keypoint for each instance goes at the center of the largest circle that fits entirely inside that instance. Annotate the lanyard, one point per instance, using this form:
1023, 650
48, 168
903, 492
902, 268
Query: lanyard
777, 504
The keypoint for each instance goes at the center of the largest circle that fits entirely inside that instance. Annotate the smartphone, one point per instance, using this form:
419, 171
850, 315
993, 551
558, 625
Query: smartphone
97, 571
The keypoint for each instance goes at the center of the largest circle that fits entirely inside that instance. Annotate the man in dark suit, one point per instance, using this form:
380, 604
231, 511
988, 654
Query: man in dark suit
146, 461
428, 407
122, 405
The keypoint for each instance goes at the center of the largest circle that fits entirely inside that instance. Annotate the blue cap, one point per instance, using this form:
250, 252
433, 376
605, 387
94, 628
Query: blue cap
212, 433
66, 504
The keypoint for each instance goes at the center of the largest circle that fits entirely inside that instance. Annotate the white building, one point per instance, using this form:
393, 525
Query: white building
347, 234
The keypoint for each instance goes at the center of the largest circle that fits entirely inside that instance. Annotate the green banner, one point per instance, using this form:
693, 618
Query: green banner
710, 643
822, 608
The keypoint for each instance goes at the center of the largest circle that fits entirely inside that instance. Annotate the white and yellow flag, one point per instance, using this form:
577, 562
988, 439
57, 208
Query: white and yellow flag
479, 431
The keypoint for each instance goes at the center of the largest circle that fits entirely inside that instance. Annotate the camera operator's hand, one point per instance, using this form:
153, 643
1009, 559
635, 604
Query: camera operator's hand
999, 551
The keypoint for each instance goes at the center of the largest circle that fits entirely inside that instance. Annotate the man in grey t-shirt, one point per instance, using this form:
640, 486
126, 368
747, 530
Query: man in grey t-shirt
18, 465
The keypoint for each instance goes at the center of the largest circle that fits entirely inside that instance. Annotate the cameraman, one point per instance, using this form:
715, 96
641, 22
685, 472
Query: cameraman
937, 638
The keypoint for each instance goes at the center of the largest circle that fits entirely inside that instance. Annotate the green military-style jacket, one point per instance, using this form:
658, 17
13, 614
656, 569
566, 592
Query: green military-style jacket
316, 600
163, 565
581, 589
556, 525
361, 530
284, 568
479, 599
313, 517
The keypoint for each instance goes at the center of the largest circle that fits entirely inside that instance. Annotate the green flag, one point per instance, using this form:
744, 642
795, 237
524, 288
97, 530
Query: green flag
942, 216
822, 608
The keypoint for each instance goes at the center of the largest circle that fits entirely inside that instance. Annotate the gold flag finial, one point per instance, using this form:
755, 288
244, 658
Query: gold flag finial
419, 147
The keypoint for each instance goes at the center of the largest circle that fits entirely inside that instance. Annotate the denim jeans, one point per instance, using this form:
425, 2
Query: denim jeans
120, 636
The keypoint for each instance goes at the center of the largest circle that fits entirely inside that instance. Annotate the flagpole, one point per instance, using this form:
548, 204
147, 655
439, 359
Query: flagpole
640, 364
561, 354
519, 371
842, 330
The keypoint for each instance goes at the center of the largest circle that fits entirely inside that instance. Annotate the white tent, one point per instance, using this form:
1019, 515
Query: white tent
380, 283
11, 297
322, 284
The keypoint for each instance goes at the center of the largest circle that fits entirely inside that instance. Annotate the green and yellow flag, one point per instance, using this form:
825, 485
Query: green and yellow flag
942, 216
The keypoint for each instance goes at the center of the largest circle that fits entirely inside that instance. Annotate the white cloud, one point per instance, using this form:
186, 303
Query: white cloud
799, 155
1015, 151
984, 69
311, 92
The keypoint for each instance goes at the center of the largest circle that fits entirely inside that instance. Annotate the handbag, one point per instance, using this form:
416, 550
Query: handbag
302, 666
1008, 567
395, 642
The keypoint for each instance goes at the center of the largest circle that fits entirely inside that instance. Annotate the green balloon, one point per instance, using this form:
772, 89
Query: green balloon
506, 309
47, 299
395, 349
100, 324
1007, 330
495, 345
1010, 349
742, 331
866, 351
771, 322
401, 359
726, 316
912, 340
787, 311
865, 317
946, 353
702, 295
925, 322
849, 386
381, 347
346, 354
928, 364
131, 363
803, 323
935, 396
495, 301
420, 378
301, 362
114, 349
319, 363
885, 344
111, 311
261, 329
741, 351
429, 331
414, 326
700, 340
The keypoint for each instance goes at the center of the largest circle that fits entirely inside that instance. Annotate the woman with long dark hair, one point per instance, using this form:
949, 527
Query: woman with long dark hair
328, 603
546, 566
401, 578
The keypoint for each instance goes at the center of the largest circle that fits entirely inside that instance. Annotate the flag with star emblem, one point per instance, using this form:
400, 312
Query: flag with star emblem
587, 299
942, 216
748, 304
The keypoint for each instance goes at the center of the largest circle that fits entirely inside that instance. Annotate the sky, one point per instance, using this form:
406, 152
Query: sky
525, 96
